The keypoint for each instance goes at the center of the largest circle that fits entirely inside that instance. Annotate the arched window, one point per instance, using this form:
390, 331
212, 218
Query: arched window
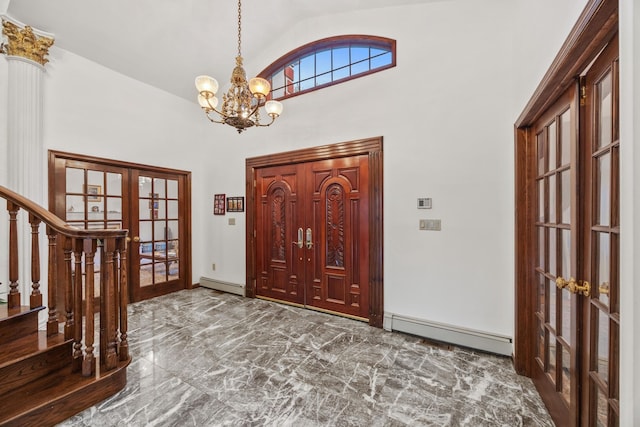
327, 62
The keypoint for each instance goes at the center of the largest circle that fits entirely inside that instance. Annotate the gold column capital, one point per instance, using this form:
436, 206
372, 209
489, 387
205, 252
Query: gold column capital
23, 42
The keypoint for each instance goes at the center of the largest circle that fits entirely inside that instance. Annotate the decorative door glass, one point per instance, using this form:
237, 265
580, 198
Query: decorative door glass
604, 314
556, 309
93, 200
158, 230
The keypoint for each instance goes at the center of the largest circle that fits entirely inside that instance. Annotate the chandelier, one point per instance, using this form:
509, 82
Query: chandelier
241, 104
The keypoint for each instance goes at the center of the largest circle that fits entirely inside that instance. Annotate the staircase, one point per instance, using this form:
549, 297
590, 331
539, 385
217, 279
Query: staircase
48, 375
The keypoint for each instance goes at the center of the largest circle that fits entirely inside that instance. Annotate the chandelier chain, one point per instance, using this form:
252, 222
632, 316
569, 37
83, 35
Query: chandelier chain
239, 25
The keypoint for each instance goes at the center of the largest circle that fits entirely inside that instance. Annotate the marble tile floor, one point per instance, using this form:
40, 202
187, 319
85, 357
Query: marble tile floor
205, 358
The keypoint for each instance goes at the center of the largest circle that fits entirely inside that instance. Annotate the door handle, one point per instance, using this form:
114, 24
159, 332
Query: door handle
309, 239
579, 287
136, 239
300, 241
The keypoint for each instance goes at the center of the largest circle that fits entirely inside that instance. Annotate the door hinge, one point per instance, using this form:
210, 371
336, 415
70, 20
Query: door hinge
583, 90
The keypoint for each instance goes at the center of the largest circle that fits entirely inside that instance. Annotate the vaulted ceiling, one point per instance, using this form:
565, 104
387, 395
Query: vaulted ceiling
166, 43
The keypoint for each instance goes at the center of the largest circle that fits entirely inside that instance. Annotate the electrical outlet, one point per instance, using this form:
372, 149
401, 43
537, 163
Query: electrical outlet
213, 266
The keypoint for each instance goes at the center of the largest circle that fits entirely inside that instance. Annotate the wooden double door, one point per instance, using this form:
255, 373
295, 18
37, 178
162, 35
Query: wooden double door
152, 203
572, 270
312, 241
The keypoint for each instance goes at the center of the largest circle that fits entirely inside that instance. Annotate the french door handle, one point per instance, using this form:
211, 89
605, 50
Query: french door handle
579, 287
309, 239
300, 241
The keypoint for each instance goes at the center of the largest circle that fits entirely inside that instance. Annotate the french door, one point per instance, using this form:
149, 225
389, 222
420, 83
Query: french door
575, 260
313, 234
152, 203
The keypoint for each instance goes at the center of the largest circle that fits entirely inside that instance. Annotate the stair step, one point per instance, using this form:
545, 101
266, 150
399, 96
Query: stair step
17, 322
59, 395
31, 357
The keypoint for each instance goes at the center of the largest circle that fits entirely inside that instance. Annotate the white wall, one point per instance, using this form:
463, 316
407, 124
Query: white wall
630, 212
446, 113
92, 110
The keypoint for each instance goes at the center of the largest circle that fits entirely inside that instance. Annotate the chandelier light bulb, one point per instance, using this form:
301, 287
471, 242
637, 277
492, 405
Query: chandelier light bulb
207, 103
274, 108
259, 87
206, 84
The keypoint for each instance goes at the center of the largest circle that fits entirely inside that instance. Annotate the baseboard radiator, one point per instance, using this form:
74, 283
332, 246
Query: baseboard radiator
471, 338
219, 285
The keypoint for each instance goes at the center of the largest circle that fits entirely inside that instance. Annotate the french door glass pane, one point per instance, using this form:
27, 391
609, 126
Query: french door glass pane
604, 189
553, 303
605, 104
565, 197
566, 316
602, 344
552, 199
551, 367
552, 252
75, 180
541, 248
172, 189
541, 200
603, 406
541, 153
541, 294
566, 375
565, 138
114, 184
565, 271
552, 146
603, 267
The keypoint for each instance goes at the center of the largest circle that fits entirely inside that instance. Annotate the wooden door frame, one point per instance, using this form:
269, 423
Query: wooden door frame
185, 213
371, 147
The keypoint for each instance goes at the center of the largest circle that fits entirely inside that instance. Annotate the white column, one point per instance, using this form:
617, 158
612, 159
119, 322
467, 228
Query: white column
25, 157
25, 50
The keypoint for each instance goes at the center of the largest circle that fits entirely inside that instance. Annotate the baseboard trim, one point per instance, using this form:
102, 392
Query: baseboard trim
219, 285
485, 341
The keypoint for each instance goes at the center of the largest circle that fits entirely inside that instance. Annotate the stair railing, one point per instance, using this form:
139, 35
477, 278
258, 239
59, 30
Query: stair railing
80, 248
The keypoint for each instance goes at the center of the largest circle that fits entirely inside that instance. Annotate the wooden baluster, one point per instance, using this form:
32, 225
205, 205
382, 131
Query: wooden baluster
14, 257
52, 322
89, 363
35, 299
110, 354
77, 304
124, 298
68, 290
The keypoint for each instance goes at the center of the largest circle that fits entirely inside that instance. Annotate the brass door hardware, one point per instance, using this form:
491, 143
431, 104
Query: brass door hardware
309, 239
579, 287
300, 241
604, 288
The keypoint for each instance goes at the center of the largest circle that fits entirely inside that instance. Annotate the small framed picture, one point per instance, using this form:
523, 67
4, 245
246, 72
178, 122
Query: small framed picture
94, 193
235, 204
218, 204
153, 202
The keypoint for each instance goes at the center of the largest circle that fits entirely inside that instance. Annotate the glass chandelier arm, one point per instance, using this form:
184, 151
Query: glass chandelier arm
264, 125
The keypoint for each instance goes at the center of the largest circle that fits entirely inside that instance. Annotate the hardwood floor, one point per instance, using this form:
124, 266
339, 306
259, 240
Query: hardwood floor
202, 358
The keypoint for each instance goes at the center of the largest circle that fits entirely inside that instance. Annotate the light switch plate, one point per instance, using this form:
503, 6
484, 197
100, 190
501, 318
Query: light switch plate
232, 221
430, 224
